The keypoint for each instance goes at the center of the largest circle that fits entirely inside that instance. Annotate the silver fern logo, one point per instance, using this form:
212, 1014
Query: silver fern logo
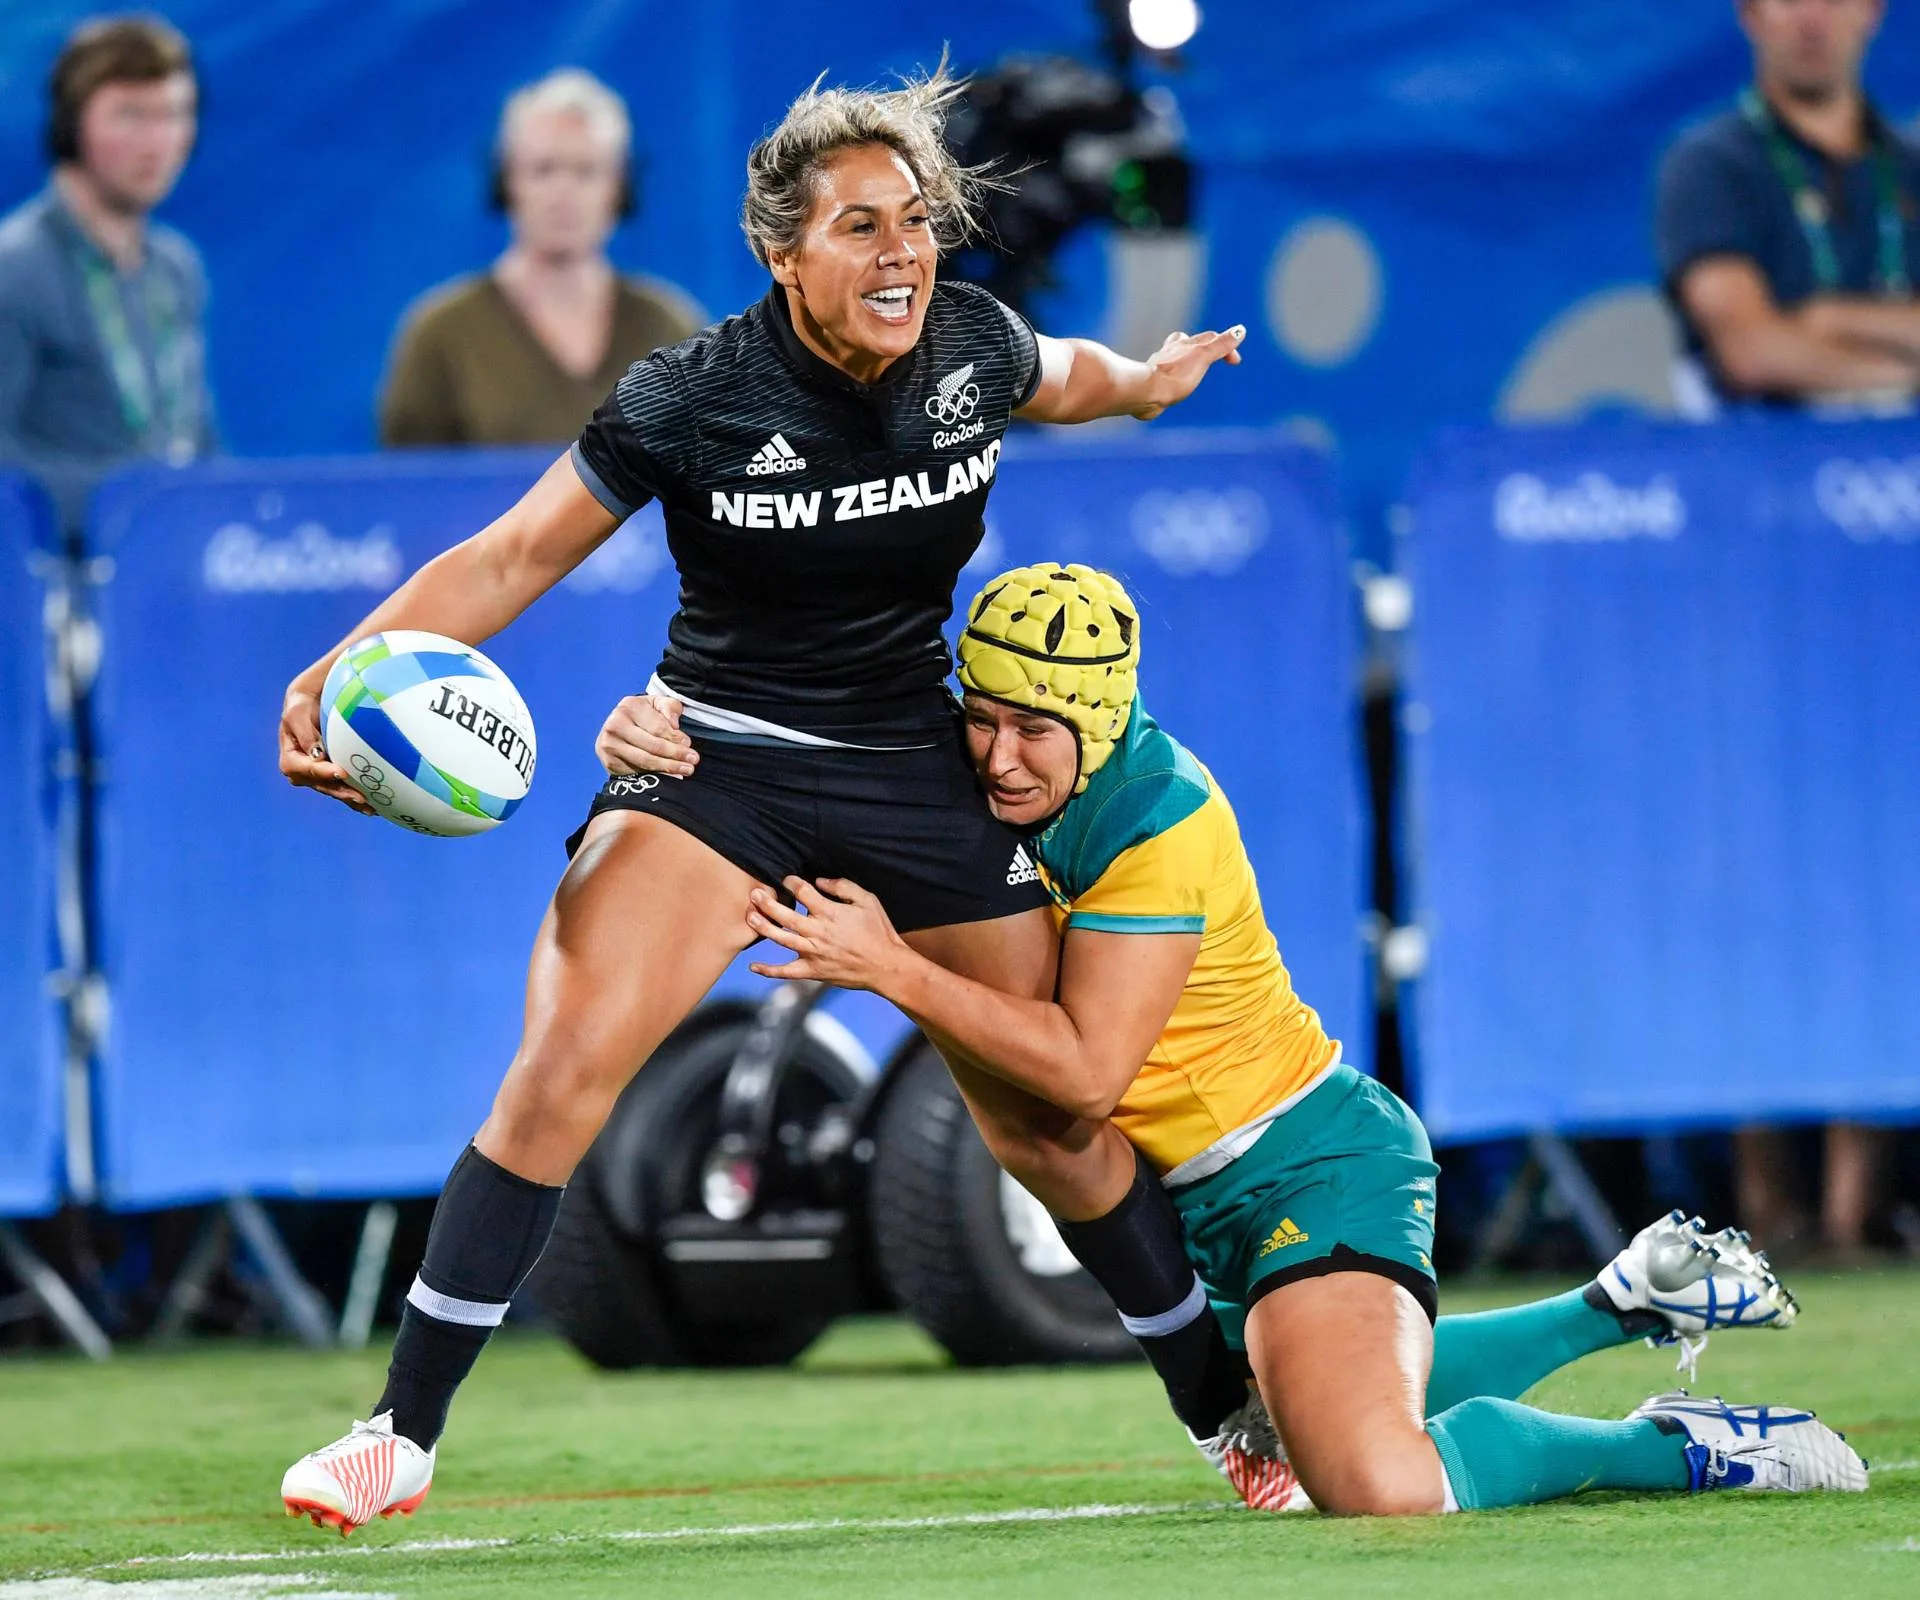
954, 397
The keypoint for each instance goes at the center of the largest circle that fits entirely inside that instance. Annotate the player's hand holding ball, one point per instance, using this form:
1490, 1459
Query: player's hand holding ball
415, 727
303, 757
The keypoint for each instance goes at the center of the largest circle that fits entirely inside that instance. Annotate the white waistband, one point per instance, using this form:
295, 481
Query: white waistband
702, 715
1236, 1142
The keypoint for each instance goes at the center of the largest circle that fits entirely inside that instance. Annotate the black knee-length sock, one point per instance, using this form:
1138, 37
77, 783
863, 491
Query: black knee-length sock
1137, 1254
488, 1230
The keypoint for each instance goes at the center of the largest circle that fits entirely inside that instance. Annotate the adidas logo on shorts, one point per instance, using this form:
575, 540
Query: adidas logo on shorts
776, 455
1022, 870
1286, 1234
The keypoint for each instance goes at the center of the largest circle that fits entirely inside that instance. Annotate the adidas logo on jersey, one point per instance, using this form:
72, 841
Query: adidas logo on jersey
1282, 1236
1023, 870
776, 455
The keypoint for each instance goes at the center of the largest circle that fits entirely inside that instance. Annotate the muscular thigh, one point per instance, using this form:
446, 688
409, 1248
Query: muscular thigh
644, 922
1018, 955
1342, 1363
1076, 1168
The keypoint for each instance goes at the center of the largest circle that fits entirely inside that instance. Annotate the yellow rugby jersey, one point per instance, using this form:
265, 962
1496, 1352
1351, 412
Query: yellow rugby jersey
1152, 846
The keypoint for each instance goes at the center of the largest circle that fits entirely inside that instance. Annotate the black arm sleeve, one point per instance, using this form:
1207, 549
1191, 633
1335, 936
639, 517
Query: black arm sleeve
641, 440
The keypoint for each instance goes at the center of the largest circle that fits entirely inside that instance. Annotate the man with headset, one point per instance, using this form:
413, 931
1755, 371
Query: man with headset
523, 352
1788, 231
102, 348
1786, 226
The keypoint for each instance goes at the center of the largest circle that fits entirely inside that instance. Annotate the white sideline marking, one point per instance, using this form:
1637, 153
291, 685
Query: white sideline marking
970, 1519
291, 1585
1893, 1466
737, 1530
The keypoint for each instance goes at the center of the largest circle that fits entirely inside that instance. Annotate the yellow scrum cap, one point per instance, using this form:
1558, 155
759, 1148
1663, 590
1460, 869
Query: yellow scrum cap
1062, 640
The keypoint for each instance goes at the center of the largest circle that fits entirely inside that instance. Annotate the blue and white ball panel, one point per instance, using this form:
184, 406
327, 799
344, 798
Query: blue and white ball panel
432, 732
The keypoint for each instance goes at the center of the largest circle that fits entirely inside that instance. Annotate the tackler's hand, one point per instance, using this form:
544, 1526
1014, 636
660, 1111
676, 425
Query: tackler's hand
844, 938
642, 734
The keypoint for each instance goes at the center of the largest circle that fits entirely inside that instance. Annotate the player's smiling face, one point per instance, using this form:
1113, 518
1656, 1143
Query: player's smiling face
1028, 763
857, 285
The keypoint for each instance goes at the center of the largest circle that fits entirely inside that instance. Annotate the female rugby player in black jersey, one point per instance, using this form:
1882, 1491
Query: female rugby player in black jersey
823, 462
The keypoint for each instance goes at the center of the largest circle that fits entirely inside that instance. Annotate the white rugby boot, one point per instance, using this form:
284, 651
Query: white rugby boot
1757, 1447
1249, 1455
372, 1472
1693, 1282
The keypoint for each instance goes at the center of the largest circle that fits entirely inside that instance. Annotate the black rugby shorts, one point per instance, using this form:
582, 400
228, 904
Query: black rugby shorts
909, 825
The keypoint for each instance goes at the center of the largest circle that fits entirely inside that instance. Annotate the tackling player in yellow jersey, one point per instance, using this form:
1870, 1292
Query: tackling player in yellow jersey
1305, 1190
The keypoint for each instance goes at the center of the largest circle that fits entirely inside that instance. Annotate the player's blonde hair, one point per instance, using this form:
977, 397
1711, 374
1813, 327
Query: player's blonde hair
911, 120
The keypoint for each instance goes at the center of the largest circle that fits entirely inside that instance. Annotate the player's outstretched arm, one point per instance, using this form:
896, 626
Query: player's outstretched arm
468, 593
1079, 1053
1081, 380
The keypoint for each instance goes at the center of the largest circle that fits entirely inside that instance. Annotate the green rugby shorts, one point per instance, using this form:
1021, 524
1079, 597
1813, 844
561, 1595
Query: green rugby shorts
1343, 1182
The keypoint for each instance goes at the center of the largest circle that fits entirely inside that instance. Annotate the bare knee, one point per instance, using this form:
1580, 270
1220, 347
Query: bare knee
1404, 1479
1078, 1171
546, 1114
1033, 1150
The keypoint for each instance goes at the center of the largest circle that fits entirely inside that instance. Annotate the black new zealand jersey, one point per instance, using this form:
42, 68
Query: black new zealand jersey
819, 524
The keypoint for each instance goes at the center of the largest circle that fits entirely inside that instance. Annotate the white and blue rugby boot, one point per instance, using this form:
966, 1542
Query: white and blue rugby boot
1685, 1282
1756, 1447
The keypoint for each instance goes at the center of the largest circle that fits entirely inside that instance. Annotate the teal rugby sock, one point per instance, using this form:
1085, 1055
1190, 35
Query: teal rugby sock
1505, 1353
1498, 1453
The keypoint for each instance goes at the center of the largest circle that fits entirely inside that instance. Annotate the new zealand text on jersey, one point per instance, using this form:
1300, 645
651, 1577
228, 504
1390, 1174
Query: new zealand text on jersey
874, 498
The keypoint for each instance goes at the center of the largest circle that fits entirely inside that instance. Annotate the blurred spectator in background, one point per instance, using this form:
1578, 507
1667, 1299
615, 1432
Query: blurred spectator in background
1790, 244
102, 354
1786, 228
523, 353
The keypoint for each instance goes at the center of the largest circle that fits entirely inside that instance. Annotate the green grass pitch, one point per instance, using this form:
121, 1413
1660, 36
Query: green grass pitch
878, 1470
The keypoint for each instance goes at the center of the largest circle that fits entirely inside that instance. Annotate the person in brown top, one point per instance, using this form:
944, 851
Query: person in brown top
522, 353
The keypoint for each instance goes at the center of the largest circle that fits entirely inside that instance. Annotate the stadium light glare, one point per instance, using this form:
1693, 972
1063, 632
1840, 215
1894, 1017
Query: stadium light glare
1163, 24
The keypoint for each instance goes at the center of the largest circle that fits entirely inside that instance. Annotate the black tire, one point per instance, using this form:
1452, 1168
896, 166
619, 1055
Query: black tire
602, 1278
599, 1293
941, 1237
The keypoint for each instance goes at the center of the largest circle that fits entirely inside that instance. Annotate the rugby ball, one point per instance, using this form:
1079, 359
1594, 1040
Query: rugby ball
430, 731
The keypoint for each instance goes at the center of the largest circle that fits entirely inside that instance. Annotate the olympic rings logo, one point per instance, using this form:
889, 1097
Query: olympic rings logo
1871, 500
633, 783
1200, 530
373, 780
955, 397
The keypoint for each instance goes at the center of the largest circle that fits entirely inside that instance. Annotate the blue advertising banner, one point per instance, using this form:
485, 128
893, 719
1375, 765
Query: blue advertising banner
1424, 211
30, 1082
311, 1003
1665, 775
